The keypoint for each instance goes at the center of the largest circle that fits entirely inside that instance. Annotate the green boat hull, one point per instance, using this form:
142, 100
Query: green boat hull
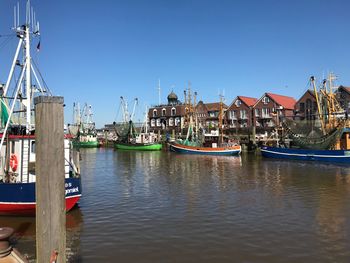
138, 147
85, 144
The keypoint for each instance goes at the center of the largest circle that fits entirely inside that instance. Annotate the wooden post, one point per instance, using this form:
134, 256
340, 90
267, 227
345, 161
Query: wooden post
254, 134
50, 183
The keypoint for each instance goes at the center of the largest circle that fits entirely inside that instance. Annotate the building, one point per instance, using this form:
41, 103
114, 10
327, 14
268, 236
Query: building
343, 97
239, 113
270, 109
306, 106
213, 112
201, 114
167, 117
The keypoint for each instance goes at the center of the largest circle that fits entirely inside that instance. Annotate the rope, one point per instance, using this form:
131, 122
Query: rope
42, 79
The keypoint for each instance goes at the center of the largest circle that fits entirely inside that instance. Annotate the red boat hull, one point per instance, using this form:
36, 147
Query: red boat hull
28, 209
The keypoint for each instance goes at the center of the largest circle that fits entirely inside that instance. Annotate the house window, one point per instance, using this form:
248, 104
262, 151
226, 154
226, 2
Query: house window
171, 122
238, 103
232, 114
163, 112
177, 121
154, 113
257, 112
153, 122
173, 112
243, 114
266, 100
265, 112
158, 122
302, 107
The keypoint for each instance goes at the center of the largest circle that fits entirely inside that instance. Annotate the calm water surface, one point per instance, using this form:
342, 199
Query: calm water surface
165, 207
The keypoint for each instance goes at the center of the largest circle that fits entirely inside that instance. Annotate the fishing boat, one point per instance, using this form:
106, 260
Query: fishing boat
83, 129
326, 143
209, 144
129, 138
17, 146
330, 156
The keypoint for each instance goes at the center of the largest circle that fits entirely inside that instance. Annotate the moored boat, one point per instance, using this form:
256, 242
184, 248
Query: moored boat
17, 146
213, 143
83, 129
330, 156
130, 139
138, 146
227, 150
326, 142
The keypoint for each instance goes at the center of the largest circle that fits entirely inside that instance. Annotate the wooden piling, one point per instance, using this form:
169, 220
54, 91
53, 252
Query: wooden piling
50, 183
254, 134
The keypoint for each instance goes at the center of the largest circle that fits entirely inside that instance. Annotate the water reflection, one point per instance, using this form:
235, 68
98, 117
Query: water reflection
24, 235
161, 206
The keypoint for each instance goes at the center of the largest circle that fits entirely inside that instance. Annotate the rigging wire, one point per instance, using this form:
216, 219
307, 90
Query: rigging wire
117, 115
43, 80
6, 41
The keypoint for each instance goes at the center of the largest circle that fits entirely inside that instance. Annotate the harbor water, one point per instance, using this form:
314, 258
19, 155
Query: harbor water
167, 207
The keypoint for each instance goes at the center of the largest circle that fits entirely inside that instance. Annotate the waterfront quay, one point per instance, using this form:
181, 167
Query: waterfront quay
167, 207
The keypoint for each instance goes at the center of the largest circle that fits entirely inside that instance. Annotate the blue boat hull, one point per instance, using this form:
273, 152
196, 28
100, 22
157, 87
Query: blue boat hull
19, 198
330, 156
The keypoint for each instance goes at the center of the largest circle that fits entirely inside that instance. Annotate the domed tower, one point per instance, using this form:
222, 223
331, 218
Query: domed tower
172, 99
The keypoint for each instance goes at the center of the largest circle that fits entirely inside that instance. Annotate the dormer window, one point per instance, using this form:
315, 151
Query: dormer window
173, 111
163, 112
266, 100
154, 113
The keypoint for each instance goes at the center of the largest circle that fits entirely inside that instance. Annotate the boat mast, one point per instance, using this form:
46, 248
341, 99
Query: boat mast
320, 115
220, 121
28, 73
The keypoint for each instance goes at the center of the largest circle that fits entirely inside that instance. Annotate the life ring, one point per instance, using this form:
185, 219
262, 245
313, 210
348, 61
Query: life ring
13, 162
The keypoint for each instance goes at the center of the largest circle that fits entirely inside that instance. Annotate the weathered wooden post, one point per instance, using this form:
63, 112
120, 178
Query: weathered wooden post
50, 188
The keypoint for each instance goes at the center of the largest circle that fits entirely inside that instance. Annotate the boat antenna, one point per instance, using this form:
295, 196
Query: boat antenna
134, 108
159, 92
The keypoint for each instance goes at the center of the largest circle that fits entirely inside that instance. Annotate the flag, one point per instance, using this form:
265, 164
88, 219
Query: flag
38, 47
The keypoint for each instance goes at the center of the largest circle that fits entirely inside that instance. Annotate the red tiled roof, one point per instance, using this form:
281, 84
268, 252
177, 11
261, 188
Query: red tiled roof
248, 100
308, 91
215, 106
347, 89
285, 101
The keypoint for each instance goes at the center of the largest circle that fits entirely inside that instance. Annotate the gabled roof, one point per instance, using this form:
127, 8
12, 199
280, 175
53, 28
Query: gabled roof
249, 101
285, 101
215, 106
312, 93
347, 89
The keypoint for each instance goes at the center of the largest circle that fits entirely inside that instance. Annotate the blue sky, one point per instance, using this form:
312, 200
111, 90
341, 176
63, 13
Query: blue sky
96, 51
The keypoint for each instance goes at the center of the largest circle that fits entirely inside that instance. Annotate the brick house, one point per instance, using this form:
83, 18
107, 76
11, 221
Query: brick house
213, 110
239, 113
343, 97
306, 106
271, 108
201, 114
167, 117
